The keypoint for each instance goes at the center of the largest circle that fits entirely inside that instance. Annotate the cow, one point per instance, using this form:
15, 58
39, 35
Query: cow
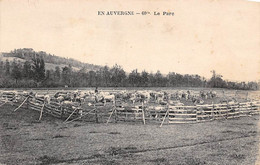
60, 99
47, 99
109, 98
203, 94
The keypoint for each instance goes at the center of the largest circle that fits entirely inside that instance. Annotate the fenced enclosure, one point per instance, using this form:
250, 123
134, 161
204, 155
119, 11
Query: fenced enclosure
144, 112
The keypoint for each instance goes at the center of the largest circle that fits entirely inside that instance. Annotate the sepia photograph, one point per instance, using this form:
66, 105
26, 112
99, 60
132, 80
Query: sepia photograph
143, 82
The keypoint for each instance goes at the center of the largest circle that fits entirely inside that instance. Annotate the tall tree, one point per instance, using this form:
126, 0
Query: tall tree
1, 68
106, 74
16, 71
159, 79
7, 67
57, 73
134, 78
91, 78
38, 69
216, 80
144, 78
67, 75
118, 75
27, 70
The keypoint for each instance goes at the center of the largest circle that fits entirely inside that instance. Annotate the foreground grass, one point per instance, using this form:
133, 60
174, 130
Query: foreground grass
24, 140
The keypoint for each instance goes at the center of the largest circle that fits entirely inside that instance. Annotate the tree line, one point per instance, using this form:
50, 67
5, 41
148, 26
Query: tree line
33, 73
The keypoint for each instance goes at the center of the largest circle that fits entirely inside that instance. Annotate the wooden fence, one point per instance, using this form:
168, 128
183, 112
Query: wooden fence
141, 112
90, 113
186, 114
182, 114
203, 113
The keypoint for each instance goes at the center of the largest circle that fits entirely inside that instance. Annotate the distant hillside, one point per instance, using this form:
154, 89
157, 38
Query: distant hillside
48, 66
51, 61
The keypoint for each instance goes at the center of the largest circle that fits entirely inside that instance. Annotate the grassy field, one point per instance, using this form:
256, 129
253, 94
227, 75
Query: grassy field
25, 140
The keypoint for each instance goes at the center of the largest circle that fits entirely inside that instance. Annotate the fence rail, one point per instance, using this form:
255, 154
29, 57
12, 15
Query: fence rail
143, 112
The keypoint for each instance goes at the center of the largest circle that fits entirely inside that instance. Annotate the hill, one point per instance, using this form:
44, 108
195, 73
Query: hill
51, 61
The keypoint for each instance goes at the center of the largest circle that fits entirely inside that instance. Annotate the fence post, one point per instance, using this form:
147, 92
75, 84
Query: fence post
126, 115
27, 103
196, 107
143, 112
115, 115
62, 112
212, 116
239, 111
251, 109
212, 111
96, 115
227, 110
115, 111
168, 114
164, 117
168, 109
41, 111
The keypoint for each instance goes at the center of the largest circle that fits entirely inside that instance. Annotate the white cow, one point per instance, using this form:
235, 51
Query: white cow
47, 99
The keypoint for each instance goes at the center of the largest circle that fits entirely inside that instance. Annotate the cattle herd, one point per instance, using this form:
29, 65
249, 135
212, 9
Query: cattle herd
179, 97
91, 97
180, 105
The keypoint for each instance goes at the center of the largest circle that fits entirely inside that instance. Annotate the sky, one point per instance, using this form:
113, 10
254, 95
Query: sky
203, 35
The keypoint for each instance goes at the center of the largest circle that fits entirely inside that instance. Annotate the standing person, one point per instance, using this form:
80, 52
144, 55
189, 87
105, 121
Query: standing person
96, 90
96, 94
31, 92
